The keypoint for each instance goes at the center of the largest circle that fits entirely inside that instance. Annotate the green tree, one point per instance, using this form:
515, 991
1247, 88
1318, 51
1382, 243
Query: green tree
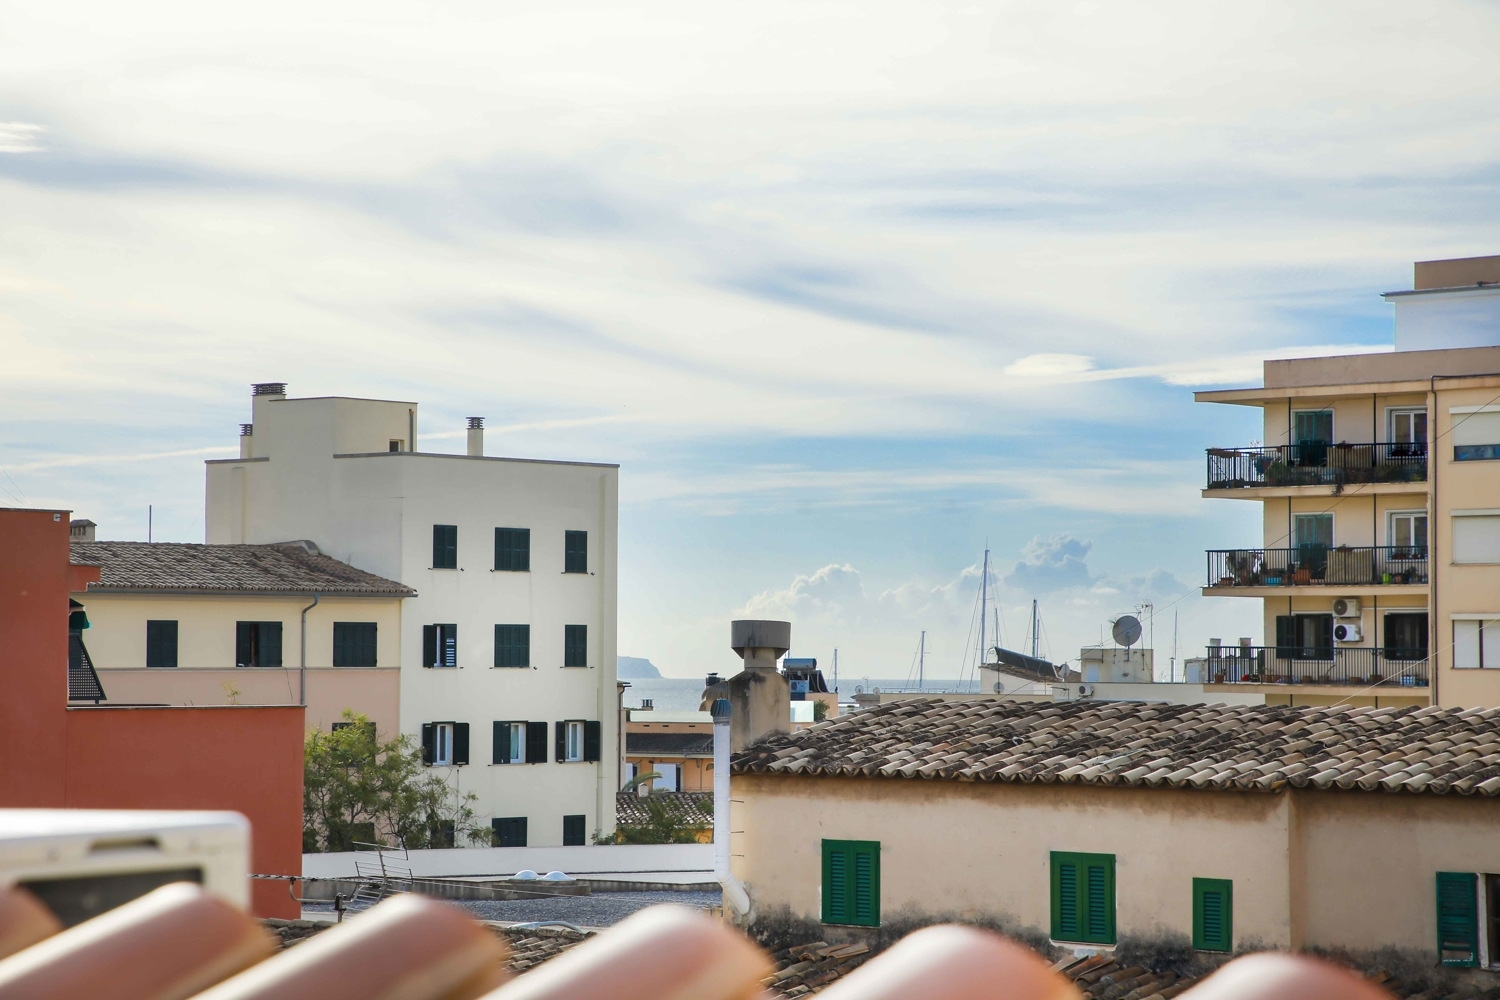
358, 789
668, 819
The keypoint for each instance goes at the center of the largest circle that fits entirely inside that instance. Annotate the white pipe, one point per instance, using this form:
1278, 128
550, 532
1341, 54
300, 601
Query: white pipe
735, 896
302, 669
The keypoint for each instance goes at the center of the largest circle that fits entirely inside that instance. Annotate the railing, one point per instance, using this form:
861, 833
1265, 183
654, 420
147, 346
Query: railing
1316, 464
1317, 566
1364, 665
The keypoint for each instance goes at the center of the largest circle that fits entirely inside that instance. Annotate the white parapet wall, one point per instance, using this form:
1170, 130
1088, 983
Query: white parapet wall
638, 862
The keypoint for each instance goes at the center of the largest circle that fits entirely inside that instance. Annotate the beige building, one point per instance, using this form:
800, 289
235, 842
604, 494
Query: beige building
175, 624
1379, 480
679, 746
1093, 824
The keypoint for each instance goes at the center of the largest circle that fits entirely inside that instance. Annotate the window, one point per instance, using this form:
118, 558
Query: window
513, 550
257, 644
445, 546
441, 833
396, 444
1312, 535
575, 646
1406, 531
1406, 635
1457, 918
536, 743
1304, 637
1476, 643
366, 731
1476, 538
1476, 436
510, 743
576, 552
1083, 897
671, 777
512, 645
161, 644
1213, 914
445, 744
354, 644
1491, 908
577, 741
439, 645
510, 831
573, 831
1408, 431
1312, 433
851, 882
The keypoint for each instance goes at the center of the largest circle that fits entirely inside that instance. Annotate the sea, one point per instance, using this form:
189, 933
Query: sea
683, 694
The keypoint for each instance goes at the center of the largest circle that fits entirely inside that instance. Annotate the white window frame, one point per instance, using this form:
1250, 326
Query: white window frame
1392, 412
442, 744
1487, 624
515, 739
573, 742
1390, 525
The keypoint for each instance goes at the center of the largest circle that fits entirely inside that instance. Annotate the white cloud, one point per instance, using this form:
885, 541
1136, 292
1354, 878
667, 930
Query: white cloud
20, 137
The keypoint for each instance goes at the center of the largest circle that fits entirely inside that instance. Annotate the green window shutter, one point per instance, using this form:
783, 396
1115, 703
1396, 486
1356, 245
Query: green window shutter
1083, 897
1457, 918
1213, 914
270, 644
513, 549
851, 882
575, 552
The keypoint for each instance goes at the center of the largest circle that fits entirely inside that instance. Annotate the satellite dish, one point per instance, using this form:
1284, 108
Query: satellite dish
999, 688
859, 689
1127, 630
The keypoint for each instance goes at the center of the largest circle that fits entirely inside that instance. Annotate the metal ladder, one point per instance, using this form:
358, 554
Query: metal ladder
378, 875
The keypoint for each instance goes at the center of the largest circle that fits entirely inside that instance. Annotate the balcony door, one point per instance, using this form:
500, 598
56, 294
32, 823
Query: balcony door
1304, 637
1312, 433
1406, 635
1408, 431
1312, 536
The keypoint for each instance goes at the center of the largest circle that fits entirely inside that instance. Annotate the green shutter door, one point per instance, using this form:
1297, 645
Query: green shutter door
1083, 897
1457, 918
851, 882
1213, 914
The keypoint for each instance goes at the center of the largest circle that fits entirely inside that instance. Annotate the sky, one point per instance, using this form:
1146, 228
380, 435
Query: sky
851, 291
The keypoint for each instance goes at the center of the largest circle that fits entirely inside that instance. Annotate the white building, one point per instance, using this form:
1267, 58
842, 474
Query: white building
508, 648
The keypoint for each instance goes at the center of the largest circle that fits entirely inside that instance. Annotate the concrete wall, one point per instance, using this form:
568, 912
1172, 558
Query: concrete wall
652, 862
1324, 869
375, 510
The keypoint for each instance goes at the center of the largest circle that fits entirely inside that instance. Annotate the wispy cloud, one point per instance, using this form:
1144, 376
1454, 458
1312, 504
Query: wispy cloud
20, 137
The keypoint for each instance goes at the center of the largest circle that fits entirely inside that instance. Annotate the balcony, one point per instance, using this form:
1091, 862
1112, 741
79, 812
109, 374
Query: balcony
1355, 665
1316, 464
1317, 566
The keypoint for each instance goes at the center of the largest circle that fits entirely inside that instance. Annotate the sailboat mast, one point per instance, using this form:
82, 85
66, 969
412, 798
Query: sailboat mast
1034, 637
984, 599
922, 661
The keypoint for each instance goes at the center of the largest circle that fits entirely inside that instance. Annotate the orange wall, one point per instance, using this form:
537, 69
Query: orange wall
248, 759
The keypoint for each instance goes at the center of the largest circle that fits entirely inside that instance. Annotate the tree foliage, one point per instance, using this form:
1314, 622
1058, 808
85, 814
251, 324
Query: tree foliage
358, 789
668, 821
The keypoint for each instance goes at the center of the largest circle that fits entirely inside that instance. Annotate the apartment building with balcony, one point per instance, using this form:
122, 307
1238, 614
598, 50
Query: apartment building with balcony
507, 646
1378, 476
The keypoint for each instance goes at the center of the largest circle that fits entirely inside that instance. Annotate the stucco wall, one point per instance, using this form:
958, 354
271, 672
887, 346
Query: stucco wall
984, 849
1350, 870
206, 626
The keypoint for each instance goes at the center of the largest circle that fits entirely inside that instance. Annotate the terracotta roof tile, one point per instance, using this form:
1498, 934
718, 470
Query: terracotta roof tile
294, 567
1430, 750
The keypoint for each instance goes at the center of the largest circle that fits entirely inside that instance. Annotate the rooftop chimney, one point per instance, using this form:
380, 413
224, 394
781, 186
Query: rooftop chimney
247, 445
262, 394
476, 437
268, 389
760, 699
81, 530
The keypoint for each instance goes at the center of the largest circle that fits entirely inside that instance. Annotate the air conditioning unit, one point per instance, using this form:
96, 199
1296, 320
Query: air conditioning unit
1085, 690
1348, 632
1346, 607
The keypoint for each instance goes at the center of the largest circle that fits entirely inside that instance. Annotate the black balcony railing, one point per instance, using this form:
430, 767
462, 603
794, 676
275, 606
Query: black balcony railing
1317, 566
1365, 665
1316, 464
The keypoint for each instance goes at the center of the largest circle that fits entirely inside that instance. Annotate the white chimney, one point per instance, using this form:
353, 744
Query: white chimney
476, 437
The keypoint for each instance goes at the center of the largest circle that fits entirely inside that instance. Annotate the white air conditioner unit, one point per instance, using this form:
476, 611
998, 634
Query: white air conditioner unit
1348, 632
81, 862
1346, 607
1085, 690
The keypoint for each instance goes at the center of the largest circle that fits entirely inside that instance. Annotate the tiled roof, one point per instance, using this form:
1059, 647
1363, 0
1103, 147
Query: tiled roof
691, 809
171, 566
1240, 747
670, 743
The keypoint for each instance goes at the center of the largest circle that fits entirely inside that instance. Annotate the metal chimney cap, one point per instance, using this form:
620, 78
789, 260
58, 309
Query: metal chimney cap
720, 709
268, 389
476, 423
757, 634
